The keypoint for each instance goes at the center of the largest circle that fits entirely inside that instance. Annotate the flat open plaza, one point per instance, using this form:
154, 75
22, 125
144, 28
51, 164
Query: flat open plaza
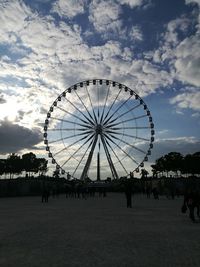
97, 232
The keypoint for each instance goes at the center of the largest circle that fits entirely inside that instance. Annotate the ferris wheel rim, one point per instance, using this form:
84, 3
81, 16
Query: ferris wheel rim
92, 122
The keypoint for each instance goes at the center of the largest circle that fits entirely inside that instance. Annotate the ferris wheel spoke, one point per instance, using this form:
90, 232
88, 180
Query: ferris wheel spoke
77, 117
68, 137
91, 104
108, 112
116, 156
121, 122
72, 122
129, 128
98, 104
122, 150
115, 111
79, 134
82, 157
128, 135
134, 118
105, 103
77, 150
75, 142
136, 148
69, 129
85, 107
88, 119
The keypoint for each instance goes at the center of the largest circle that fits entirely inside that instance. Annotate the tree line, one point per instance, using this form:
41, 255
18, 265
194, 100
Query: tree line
28, 163
173, 162
178, 164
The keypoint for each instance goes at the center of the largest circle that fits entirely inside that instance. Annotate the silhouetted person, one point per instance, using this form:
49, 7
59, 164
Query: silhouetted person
78, 190
104, 192
67, 191
84, 191
45, 194
155, 193
128, 192
177, 192
192, 201
57, 191
172, 194
148, 191
100, 191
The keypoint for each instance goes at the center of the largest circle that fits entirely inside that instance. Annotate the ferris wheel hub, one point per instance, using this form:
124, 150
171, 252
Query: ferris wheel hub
99, 129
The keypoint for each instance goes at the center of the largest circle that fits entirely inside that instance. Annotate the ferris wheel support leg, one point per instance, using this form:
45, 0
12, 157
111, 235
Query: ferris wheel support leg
89, 159
98, 167
112, 167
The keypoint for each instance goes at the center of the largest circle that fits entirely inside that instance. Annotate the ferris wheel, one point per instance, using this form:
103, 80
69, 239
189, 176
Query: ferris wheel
98, 128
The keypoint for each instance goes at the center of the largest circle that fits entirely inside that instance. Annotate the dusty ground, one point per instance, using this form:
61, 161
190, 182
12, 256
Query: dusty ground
97, 232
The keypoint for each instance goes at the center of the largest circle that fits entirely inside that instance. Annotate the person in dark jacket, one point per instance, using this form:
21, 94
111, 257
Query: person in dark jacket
128, 192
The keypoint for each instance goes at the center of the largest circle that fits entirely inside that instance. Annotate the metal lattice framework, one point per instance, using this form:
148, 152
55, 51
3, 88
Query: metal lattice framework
98, 128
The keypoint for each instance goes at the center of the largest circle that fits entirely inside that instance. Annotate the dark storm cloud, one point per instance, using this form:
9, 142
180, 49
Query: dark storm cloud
14, 138
184, 145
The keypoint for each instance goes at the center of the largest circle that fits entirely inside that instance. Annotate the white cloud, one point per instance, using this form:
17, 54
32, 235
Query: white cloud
105, 16
192, 1
182, 54
69, 8
179, 24
106, 19
136, 33
190, 98
149, 77
187, 61
14, 15
196, 115
170, 40
131, 3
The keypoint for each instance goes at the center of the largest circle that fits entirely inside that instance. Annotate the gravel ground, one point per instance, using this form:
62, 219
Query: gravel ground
97, 232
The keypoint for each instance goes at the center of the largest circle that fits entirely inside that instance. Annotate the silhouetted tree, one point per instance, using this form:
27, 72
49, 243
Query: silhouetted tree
159, 166
196, 157
173, 162
30, 163
155, 170
144, 173
41, 165
2, 166
13, 165
191, 164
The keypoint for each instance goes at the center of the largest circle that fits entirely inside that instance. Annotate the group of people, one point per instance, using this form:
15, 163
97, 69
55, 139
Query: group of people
83, 191
191, 197
77, 190
129, 191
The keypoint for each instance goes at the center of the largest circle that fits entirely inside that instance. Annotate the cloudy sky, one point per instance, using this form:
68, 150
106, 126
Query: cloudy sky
152, 46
